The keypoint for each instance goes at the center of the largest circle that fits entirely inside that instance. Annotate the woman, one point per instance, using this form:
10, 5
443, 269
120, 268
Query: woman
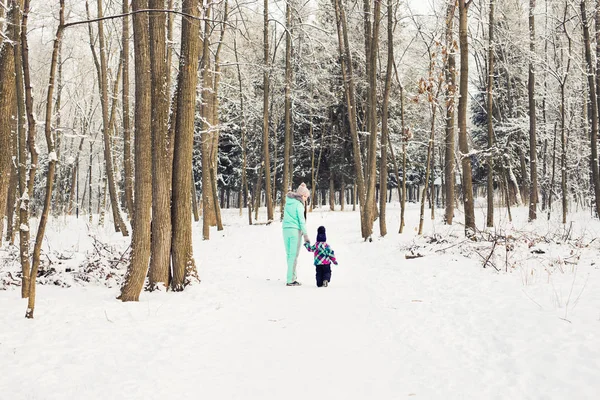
294, 227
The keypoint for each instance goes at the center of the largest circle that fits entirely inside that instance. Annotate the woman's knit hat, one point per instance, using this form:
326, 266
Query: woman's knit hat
303, 190
321, 237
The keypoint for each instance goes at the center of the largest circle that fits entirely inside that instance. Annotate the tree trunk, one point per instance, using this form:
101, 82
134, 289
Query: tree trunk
467, 184
383, 170
209, 205
51, 164
107, 127
347, 76
331, 192
342, 193
160, 250
266, 72
594, 109
427, 167
90, 214
288, 138
244, 187
194, 194
12, 193
7, 108
490, 121
140, 223
74, 179
2, 6
258, 191
404, 142
563, 155
184, 266
15, 33
127, 165
215, 115
533, 191
553, 173
373, 50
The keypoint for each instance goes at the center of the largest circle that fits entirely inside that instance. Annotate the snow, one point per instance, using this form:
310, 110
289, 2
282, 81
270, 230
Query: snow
435, 327
24, 227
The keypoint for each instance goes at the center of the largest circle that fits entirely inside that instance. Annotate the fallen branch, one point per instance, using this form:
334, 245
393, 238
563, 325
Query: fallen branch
411, 256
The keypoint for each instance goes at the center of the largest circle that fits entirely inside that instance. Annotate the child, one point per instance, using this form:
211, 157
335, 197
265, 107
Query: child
324, 256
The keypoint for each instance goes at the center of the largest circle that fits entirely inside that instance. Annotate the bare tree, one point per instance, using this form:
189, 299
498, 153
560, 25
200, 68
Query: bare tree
181, 247
450, 111
206, 110
140, 223
349, 92
288, 135
51, 164
244, 192
107, 127
7, 106
160, 251
266, 73
127, 165
24, 236
533, 191
490, 120
467, 183
593, 105
372, 51
383, 171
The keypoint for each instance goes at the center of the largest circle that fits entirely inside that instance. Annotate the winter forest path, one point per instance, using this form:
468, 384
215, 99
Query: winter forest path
436, 327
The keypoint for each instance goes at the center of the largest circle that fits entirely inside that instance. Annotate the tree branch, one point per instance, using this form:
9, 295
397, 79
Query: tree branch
136, 12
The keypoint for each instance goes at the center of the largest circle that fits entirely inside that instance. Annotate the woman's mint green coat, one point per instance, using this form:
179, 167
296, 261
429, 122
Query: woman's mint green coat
294, 227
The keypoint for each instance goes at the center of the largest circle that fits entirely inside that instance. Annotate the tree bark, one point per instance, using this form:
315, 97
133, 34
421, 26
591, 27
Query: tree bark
215, 115
8, 103
490, 121
427, 165
181, 248
12, 193
140, 223
349, 89
244, 192
533, 191
383, 170
404, 142
593, 107
160, 249
51, 165
24, 235
208, 203
450, 140
127, 164
267, 70
288, 138
373, 51
107, 128
467, 184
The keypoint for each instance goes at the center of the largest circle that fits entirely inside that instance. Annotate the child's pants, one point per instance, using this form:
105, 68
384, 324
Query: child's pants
323, 274
291, 239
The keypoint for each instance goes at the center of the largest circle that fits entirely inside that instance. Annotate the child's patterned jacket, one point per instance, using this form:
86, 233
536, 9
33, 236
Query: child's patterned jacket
324, 255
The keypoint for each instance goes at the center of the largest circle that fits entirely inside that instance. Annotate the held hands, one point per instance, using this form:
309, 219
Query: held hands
306, 239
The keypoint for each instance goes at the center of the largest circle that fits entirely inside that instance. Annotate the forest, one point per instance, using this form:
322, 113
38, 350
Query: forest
153, 114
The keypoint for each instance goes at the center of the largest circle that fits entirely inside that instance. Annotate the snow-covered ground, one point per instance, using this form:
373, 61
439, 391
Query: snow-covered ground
435, 327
